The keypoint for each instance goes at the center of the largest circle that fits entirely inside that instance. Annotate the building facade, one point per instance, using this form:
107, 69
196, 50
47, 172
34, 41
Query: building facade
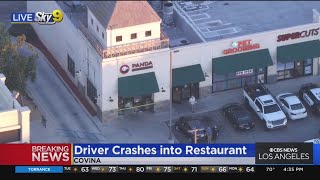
15, 119
122, 61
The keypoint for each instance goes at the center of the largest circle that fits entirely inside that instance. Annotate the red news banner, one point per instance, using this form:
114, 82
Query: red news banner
35, 154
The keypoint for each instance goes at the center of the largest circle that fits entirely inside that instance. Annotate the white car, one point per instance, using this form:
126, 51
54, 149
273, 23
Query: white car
292, 106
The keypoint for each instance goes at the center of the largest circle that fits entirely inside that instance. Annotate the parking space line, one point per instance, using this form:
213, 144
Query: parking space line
203, 30
199, 16
209, 23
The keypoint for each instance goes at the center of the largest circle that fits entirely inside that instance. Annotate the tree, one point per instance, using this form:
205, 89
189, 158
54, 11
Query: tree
14, 63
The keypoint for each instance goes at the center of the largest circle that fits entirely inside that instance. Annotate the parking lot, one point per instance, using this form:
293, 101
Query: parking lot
295, 131
224, 19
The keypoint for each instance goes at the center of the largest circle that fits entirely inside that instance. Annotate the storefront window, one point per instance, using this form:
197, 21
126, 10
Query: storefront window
308, 67
308, 62
237, 80
219, 83
294, 69
285, 70
234, 83
181, 93
137, 104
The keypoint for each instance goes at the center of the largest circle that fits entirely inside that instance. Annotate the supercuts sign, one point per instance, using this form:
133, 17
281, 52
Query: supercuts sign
240, 46
136, 67
297, 35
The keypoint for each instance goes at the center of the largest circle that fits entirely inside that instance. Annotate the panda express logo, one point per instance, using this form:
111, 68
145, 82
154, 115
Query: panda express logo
136, 67
124, 69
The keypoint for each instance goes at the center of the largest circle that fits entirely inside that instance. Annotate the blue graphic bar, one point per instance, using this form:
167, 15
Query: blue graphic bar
316, 154
22, 17
39, 169
164, 150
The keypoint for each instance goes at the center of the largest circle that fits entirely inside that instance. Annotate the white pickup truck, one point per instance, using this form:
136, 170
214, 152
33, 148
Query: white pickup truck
264, 105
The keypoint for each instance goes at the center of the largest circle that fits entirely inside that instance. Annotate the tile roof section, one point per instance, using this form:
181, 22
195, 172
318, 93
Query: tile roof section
120, 14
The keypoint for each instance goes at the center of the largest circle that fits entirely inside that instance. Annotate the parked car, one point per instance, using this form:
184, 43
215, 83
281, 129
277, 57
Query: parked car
194, 128
310, 94
238, 116
292, 106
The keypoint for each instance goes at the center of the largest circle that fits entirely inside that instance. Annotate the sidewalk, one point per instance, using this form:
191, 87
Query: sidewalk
217, 100
148, 127
35, 41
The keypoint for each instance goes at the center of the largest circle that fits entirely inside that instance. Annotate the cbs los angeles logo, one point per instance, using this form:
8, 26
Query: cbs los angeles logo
124, 69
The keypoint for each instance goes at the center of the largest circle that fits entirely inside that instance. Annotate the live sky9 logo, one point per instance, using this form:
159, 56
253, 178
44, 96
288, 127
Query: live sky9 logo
40, 17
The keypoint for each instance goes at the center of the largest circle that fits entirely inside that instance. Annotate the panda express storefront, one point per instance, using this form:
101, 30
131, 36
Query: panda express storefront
234, 70
136, 92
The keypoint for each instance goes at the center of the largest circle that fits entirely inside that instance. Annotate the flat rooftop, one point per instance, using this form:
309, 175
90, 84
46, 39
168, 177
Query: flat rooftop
214, 20
5, 103
77, 14
6, 99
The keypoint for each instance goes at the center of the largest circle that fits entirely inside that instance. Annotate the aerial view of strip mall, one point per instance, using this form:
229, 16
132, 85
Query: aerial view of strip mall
182, 72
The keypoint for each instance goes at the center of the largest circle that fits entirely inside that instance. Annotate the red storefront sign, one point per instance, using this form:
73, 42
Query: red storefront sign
297, 35
241, 46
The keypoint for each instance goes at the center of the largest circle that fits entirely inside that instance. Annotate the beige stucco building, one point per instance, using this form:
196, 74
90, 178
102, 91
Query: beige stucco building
118, 56
14, 119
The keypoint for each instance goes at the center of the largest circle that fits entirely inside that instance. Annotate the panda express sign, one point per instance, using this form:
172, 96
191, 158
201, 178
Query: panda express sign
142, 66
136, 67
240, 46
297, 35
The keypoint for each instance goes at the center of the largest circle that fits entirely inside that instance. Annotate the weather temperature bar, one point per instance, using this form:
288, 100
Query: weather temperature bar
159, 169
154, 169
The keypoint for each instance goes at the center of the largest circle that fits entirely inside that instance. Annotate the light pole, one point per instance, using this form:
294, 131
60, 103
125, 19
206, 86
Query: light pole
195, 136
170, 139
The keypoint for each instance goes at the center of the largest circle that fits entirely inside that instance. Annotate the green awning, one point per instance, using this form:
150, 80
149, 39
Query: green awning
187, 75
299, 51
138, 85
242, 61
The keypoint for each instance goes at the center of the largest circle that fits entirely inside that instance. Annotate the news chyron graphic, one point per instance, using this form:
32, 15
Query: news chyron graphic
43, 18
159, 154
35, 154
285, 153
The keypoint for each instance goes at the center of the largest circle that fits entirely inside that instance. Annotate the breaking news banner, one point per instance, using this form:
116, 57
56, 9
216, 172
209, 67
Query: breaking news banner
159, 154
35, 154
285, 153
163, 154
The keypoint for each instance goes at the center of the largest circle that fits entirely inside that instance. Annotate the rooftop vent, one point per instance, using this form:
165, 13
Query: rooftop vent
178, 42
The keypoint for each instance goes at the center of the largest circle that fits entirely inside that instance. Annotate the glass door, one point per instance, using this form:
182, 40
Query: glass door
177, 95
149, 103
195, 90
298, 69
186, 92
308, 67
137, 103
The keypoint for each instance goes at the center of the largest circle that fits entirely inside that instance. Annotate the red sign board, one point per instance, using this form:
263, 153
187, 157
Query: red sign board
297, 35
241, 46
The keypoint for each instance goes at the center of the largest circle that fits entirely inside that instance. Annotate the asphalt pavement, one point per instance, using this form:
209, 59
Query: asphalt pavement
295, 131
67, 121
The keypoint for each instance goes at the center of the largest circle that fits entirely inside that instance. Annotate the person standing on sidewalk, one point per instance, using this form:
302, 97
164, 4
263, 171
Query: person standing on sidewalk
192, 101
209, 134
44, 121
